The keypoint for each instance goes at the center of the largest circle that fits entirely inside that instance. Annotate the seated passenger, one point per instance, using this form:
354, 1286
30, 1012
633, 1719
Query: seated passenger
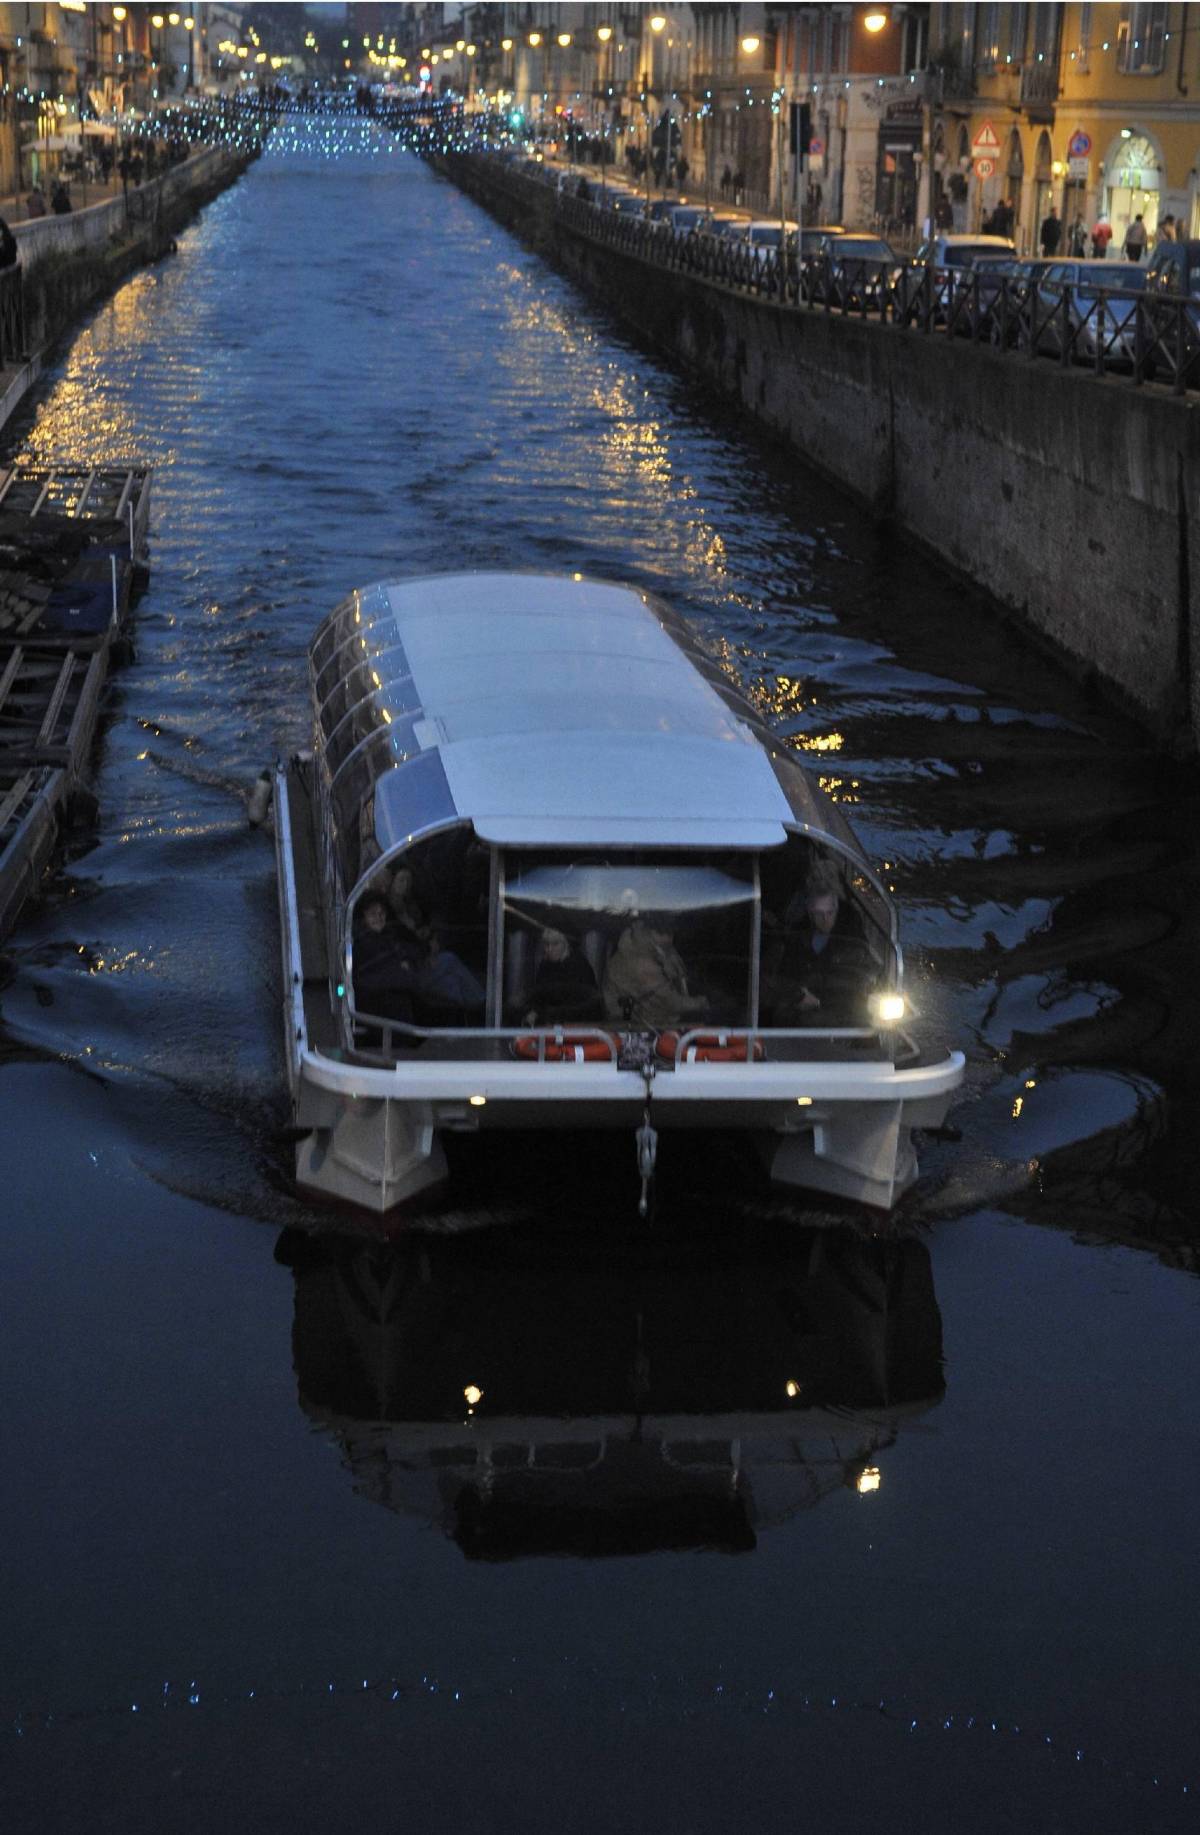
564, 987
823, 972
645, 983
401, 975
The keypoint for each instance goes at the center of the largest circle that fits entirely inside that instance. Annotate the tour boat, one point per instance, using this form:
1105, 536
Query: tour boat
545, 867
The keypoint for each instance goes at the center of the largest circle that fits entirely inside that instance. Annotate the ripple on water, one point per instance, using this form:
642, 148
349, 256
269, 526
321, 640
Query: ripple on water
438, 399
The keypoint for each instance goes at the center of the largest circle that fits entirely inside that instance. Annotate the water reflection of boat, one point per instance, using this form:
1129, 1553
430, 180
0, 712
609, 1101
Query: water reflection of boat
611, 886
592, 1407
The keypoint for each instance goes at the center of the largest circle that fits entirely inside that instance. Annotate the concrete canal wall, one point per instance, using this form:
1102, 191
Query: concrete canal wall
1073, 500
70, 262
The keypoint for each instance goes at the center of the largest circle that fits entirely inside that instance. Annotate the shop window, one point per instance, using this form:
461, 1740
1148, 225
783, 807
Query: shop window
1141, 39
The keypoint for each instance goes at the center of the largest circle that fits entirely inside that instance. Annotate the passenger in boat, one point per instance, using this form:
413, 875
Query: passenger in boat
645, 983
823, 970
403, 976
565, 986
402, 899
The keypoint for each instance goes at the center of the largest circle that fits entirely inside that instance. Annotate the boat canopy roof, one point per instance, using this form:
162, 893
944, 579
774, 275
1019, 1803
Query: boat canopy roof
547, 710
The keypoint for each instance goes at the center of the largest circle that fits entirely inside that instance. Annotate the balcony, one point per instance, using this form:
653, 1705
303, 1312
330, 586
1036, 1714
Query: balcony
949, 82
1039, 89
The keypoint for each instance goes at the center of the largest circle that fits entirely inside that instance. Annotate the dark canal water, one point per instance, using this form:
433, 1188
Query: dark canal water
782, 1527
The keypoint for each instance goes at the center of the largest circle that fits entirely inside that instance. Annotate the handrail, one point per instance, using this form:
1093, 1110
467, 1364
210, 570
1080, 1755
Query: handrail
569, 1034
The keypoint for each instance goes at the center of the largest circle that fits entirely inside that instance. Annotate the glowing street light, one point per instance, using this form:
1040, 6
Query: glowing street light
750, 45
875, 21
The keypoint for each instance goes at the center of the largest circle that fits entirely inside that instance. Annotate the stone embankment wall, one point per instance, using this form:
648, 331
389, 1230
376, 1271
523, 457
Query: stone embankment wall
70, 261
1074, 500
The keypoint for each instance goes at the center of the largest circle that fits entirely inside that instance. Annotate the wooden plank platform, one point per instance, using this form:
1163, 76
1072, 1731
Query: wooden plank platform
72, 550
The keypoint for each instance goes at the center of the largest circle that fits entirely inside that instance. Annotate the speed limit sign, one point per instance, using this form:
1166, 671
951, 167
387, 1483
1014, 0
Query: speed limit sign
985, 167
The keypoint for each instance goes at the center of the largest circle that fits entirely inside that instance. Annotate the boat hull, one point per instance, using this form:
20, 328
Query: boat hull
378, 1150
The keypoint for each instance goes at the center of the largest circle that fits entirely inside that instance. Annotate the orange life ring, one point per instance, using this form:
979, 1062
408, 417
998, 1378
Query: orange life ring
709, 1048
566, 1048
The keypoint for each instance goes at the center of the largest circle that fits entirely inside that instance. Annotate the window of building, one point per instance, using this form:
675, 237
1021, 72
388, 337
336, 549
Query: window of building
987, 44
1046, 22
1017, 33
1084, 47
1141, 39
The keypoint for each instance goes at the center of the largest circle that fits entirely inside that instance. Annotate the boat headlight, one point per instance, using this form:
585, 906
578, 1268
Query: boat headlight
889, 1009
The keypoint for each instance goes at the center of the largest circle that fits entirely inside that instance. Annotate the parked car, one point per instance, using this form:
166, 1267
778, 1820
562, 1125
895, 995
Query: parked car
1174, 270
961, 251
941, 262
1173, 311
1001, 285
623, 201
854, 272
813, 237
683, 219
765, 236
1085, 305
721, 223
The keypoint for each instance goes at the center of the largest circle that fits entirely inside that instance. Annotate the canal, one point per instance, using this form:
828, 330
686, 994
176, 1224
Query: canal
780, 1525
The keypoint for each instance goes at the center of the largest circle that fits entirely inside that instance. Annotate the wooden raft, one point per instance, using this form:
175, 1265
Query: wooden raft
72, 550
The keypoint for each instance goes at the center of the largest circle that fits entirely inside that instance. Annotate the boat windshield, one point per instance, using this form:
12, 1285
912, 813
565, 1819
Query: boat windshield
629, 941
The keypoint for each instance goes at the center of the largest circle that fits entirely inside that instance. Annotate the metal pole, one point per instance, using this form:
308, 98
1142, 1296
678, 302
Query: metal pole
798, 184
706, 117
782, 209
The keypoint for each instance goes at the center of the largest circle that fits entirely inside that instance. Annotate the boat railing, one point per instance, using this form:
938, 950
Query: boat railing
741, 1044
600, 1044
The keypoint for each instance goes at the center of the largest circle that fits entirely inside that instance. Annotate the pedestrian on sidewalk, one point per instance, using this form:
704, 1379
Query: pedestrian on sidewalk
1051, 233
1101, 237
60, 199
726, 181
35, 203
1135, 240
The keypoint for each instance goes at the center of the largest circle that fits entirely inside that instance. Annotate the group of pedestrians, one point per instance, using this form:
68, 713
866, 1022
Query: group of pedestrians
60, 200
1136, 242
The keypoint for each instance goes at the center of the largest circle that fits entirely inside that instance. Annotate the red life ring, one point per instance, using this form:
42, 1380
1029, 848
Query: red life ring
709, 1048
566, 1048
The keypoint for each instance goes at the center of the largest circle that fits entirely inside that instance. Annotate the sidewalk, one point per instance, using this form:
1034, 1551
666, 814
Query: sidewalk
96, 191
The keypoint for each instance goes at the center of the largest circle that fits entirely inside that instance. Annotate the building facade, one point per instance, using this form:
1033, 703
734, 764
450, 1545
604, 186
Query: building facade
1083, 110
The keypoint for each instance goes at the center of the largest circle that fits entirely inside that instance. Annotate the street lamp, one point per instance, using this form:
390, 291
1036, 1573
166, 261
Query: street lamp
875, 20
750, 45
657, 23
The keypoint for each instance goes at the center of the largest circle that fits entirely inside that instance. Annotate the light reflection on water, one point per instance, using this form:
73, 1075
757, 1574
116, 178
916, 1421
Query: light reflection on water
434, 398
